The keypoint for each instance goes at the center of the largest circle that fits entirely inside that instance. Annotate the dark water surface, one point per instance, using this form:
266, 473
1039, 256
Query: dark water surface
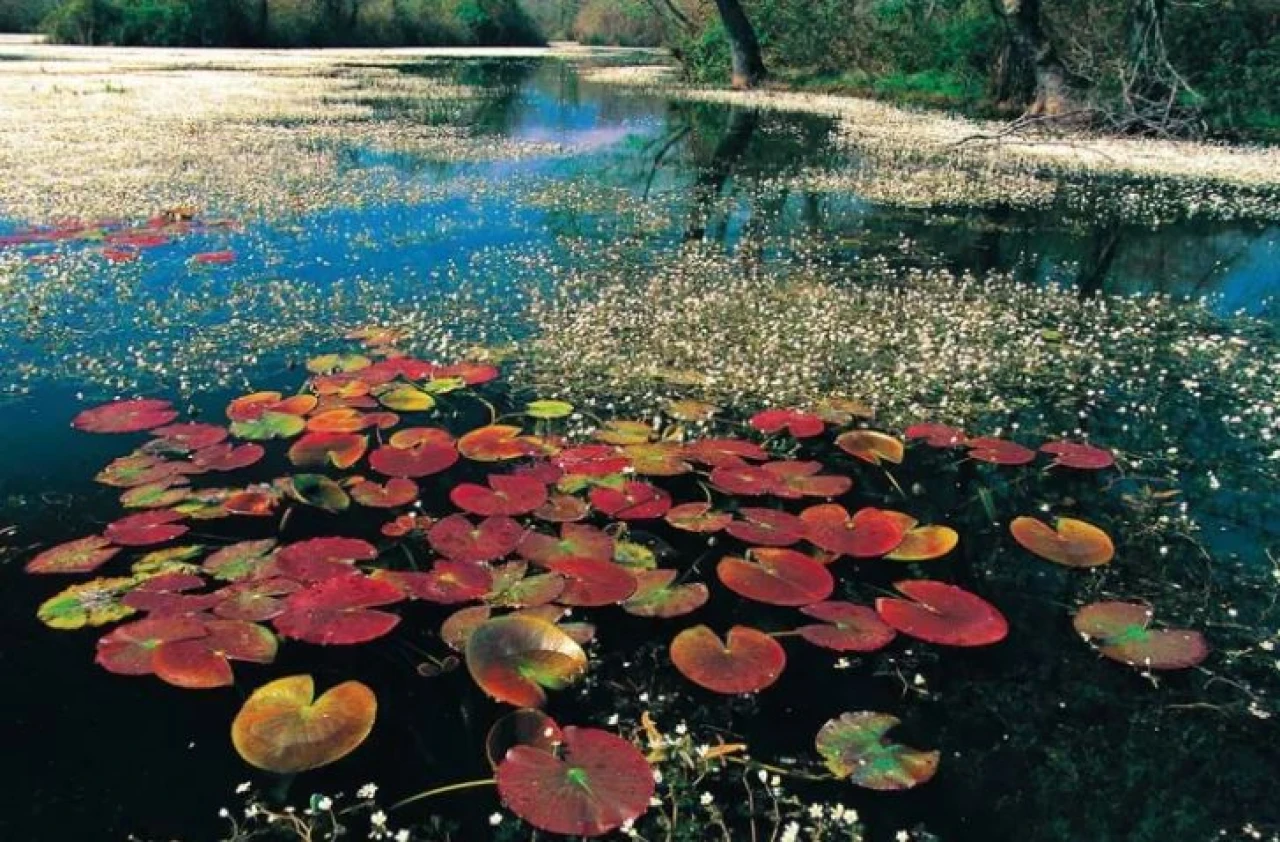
1040, 739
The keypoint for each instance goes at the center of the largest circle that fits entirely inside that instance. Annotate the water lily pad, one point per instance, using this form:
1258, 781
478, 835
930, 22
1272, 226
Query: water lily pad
795, 479
524, 727
943, 614
1120, 630
335, 363
337, 611
227, 457
508, 495
420, 456
622, 432
548, 410
283, 728
999, 452
747, 662
575, 541
83, 555
1069, 542
495, 443
634, 501
871, 446
513, 589
456, 630
320, 450
659, 459
138, 469
239, 561
720, 452
1070, 454
925, 543
457, 538
867, 534
204, 662
157, 495
591, 582
767, 527
592, 784
846, 627
656, 595
472, 373
254, 406
937, 435
406, 399
185, 438
343, 419
257, 502
776, 577
854, 746
93, 603
130, 649
146, 528
255, 600
316, 490
562, 508
317, 559
800, 425
592, 460
130, 416
397, 491
446, 583
513, 658
697, 517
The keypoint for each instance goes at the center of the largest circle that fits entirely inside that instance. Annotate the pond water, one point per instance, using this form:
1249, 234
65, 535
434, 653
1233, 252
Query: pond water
618, 244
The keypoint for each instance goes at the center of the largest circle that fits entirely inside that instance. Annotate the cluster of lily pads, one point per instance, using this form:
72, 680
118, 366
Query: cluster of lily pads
121, 241
539, 525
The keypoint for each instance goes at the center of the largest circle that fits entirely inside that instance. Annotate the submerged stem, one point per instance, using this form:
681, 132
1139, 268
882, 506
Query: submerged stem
442, 790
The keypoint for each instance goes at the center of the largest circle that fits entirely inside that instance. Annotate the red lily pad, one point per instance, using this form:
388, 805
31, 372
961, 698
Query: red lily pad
1069, 542
458, 626
1072, 454
634, 501
227, 457
925, 543
457, 538
146, 528
575, 541
943, 614
592, 784
562, 508
184, 438
254, 406
854, 747
795, 479
242, 560
871, 446
867, 534
749, 661
130, 416
512, 589
591, 460
697, 517
718, 453
591, 582
255, 600
447, 583
659, 459
317, 559
657, 596
513, 658
846, 627
937, 435
744, 480
999, 451
776, 577
130, 649
523, 727
167, 492
204, 662
768, 527
471, 373
319, 450
495, 443
138, 469
1120, 630
283, 728
508, 495
396, 492
83, 555
422, 459
214, 258
800, 425
337, 611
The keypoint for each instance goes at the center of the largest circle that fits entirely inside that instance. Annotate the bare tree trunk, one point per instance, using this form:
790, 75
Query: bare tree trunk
748, 63
1053, 95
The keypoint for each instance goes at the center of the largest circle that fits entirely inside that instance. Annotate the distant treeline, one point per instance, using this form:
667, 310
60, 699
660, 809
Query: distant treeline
276, 23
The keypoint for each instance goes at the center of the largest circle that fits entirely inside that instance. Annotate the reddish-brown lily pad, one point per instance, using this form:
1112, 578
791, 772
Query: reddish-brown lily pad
283, 728
871, 446
940, 613
447, 583
83, 555
867, 534
593, 783
146, 528
717, 453
937, 435
412, 461
575, 541
697, 517
227, 457
767, 527
508, 495
130, 416
495, 443
656, 595
397, 491
776, 577
591, 582
925, 543
999, 451
846, 627
317, 559
457, 538
1120, 631
514, 657
184, 438
747, 662
523, 727
800, 425
1070, 454
337, 611
854, 747
320, 450
203, 663
130, 649
1069, 542
634, 501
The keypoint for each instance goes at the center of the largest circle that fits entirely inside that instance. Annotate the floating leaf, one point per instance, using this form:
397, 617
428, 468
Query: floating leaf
283, 728
138, 469
335, 363
396, 492
871, 446
616, 431
800, 425
317, 559
156, 495
508, 495
596, 783
130, 649
1077, 455
575, 541
495, 443
204, 663
660, 459
457, 538
925, 543
456, 630
548, 410
794, 479
854, 746
1120, 631
769, 527
999, 451
125, 416
656, 596
269, 425
319, 450
93, 603
591, 582
562, 508
634, 501
414, 458
316, 490
719, 453
776, 577
184, 438
256, 600
226, 457
524, 727
512, 589
749, 661
242, 560
513, 658
253, 407
1069, 542
697, 517
336, 611
867, 534
83, 555
146, 528
943, 614
447, 583
592, 460
407, 399
937, 435
846, 627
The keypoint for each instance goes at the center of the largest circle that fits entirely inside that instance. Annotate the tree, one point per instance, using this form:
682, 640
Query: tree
1054, 96
744, 47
